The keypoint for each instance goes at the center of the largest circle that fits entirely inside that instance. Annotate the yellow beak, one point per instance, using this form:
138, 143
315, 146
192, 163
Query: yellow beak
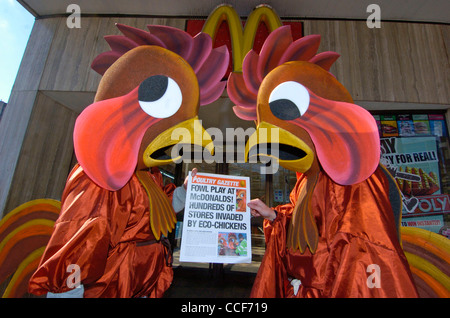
184, 134
274, 142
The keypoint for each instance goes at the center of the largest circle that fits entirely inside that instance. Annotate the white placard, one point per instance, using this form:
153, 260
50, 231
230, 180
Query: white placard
216, 225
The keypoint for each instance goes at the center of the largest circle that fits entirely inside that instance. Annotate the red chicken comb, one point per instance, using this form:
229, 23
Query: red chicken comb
278, 48
210, 65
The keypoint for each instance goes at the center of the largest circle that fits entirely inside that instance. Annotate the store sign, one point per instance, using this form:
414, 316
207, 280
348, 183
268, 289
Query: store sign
238, 38
432, 204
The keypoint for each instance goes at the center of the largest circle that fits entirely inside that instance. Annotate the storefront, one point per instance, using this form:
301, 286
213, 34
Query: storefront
415, 148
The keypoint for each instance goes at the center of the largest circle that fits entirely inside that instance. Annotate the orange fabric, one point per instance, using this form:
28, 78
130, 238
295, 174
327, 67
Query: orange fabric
356, 229
101, 231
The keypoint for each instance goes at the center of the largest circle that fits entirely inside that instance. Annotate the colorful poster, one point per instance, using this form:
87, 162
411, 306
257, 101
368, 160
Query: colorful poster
216, 225
278, 195
421, 124
414, 164
405, 125
378, 121
389, 126
437, 125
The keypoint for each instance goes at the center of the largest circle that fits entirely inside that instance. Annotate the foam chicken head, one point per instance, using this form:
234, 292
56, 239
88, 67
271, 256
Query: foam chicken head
153, 83
308, 115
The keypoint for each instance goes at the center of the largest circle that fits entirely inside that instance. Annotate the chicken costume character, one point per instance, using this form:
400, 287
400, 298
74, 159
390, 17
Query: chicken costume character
338, 236
116, 213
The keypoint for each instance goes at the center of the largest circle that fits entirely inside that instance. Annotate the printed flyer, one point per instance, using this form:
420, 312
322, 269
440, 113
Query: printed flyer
216, 225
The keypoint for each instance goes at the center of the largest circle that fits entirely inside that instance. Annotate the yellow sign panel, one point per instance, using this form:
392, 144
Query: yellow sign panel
242, 39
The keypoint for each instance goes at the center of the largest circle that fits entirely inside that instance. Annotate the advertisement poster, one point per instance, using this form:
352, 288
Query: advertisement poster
216, 225
405, 125
437, 125
408, 125
389, 126
414, 164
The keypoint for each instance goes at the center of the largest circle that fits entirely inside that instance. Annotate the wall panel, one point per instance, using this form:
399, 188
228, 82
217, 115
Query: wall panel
46, 154
399, 62
73, 50
13, 125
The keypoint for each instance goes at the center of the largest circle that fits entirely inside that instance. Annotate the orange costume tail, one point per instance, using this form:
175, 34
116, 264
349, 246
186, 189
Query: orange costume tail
24, 233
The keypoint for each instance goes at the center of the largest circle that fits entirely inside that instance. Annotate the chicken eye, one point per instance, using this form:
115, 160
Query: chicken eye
159, 96
289, 100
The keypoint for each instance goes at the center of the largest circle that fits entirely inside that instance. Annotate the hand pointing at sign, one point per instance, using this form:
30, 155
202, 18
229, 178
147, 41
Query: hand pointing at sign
259, 208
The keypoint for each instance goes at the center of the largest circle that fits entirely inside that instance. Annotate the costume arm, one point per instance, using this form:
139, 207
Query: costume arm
272, 276
179, 199
78, 249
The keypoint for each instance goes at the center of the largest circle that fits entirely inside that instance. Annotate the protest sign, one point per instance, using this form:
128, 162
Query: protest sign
216, 225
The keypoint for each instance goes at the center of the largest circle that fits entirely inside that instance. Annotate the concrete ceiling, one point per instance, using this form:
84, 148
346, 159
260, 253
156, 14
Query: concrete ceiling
436, 11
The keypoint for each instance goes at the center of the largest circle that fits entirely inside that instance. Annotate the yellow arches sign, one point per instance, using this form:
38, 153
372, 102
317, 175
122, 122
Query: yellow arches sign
242, 38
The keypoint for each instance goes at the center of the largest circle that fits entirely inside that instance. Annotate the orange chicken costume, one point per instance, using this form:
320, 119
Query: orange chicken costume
110, 238
338, 237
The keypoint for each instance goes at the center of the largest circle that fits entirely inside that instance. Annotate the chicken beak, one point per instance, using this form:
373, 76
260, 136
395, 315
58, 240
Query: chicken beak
276, 143
174, 139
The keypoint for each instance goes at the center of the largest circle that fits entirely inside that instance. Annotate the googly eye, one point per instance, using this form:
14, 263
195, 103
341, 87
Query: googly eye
159, 96
289, 100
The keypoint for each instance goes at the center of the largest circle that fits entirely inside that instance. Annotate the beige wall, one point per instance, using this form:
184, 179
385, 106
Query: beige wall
401, 63
16, 117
